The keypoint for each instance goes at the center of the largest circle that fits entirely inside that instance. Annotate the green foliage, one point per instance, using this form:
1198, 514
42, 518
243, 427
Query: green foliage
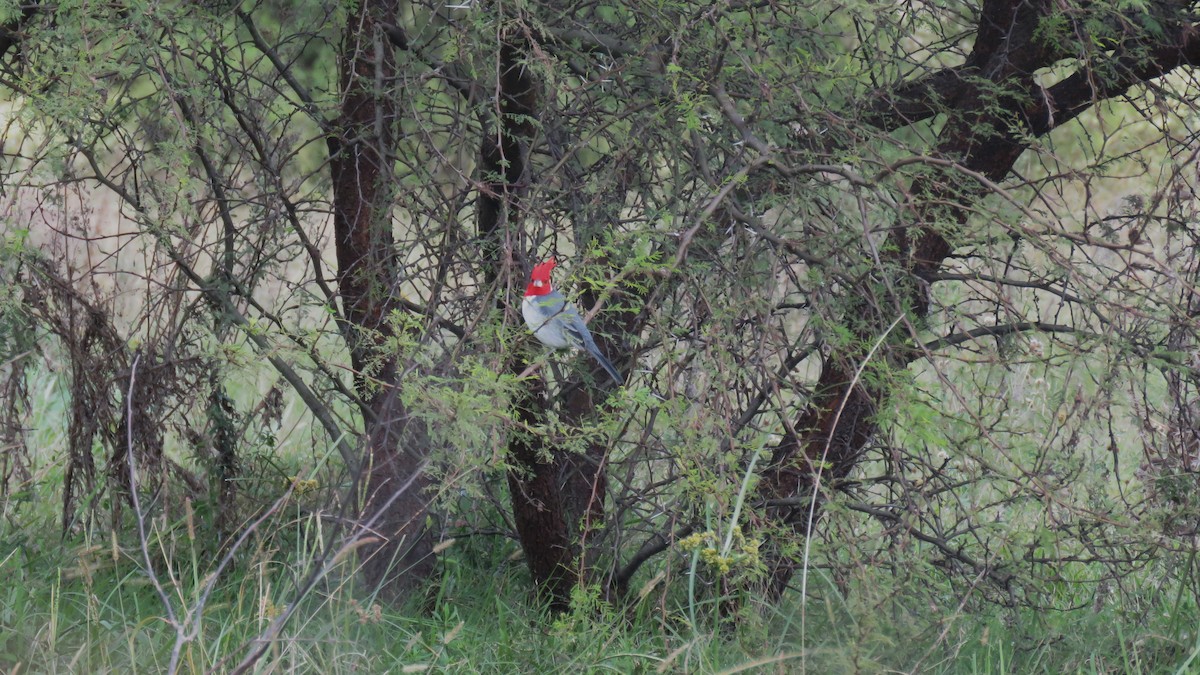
747, 192
88, 607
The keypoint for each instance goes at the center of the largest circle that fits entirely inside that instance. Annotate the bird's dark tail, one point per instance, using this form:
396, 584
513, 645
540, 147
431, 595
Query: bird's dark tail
592, 349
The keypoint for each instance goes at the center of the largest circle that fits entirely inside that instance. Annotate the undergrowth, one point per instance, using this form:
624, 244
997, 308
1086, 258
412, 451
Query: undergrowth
86, 603
86, 600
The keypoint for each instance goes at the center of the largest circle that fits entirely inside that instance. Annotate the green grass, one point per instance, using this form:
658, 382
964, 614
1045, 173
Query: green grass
76, 606
86, 602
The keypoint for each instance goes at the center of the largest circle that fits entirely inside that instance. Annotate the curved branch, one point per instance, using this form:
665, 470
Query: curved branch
1065, 100
260, 42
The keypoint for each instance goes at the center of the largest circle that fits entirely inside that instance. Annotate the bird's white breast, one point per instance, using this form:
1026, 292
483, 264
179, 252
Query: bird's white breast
544, 321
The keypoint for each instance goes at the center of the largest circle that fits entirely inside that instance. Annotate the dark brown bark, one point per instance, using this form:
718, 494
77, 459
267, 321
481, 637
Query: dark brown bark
555, 494
504, 157
399, 554
1133, 62
538, 509
559, 504
396, 504
585, 478
535, 480
982, 97
221, 418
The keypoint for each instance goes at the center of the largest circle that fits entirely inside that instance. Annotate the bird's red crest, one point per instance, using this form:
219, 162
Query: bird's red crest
542, 272
539, 279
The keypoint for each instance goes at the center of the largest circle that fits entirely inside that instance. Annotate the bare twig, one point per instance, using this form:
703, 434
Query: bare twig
140, 516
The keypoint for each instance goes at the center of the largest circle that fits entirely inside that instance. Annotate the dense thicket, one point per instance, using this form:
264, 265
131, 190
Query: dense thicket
897, 284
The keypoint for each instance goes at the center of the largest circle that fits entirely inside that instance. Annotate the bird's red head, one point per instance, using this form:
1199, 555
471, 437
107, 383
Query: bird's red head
539, 280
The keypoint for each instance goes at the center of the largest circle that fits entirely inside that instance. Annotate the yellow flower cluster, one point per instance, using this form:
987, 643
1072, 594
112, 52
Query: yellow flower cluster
743, 553
302, 485
717, 561
268, 610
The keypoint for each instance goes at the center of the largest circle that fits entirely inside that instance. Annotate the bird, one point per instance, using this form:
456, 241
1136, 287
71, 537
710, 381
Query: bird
555, 322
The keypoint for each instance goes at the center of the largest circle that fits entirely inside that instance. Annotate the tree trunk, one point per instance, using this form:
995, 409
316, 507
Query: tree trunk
833, 431
535, 486
394, 503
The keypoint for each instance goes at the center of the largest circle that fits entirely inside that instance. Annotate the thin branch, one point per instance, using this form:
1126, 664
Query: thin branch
327, 561
1003, 579
657, 543
998, 330
10, 32
140, 516
260, 42
222, 303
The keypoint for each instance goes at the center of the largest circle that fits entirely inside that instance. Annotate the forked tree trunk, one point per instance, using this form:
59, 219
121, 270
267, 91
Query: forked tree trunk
557, 496
534, 482
394, 501
832, 433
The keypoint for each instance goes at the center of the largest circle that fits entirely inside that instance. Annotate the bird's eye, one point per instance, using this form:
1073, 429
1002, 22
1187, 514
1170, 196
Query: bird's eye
539, 283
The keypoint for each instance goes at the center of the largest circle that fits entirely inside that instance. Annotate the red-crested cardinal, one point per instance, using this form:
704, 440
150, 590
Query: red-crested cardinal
555, 322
